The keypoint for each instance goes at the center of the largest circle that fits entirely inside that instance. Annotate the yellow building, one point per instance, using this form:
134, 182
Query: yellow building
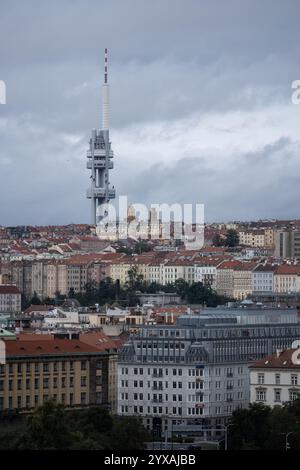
70, 371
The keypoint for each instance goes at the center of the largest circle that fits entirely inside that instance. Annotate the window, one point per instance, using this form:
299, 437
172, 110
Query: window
46, 383
277, 379
294, 394
294, 379
261, 378
260, 395
277, 395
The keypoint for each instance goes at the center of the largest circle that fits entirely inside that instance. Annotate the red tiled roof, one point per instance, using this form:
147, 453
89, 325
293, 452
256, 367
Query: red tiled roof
288, 269
48, 348
231, 264
284, 360
38, 308
8, 289
100, 340
212, 249
34, 337
265, 268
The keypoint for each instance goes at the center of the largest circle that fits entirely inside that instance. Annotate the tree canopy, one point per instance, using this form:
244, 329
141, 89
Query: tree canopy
53, 427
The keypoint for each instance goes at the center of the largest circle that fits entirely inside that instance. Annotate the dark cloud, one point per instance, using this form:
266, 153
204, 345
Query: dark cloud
190, 83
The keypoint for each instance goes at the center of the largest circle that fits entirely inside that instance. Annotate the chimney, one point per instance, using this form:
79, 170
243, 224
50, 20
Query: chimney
278, 352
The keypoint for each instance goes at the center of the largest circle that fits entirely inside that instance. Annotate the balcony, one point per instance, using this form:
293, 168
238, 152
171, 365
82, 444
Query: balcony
100, 193
99, 153
99, 164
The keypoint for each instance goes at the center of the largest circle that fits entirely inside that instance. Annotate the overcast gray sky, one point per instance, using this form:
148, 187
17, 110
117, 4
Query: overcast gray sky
201, 105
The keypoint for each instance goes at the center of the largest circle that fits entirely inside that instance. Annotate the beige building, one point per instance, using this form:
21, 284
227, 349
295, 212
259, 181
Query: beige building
39, 279
255, 238
269, 238
224, 281
242, 280
56, 279
70, 371
287, 278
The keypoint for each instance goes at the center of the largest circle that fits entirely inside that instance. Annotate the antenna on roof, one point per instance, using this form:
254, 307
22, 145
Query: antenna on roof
105, 94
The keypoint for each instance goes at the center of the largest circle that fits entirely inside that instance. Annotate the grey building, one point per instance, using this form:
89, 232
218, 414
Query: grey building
192, 375
287, 244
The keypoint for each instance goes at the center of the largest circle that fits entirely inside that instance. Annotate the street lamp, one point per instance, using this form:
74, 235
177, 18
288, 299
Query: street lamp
287, 445
226, 434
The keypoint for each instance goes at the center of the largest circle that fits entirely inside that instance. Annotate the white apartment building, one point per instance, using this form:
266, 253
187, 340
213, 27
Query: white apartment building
10, 299
263, 278
275, 379
206, 272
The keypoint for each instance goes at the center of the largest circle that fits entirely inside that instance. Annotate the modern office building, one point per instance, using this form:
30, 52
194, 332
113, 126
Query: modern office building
192, 375
287, 244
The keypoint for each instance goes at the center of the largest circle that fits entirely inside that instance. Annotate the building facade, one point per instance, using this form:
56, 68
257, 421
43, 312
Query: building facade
275, 379
10, 299
196, 372
69, 371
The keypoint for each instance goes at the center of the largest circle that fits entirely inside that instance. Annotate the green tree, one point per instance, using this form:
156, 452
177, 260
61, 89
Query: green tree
135, 279
47, 428
71, 294
250, 427
217, 241
232, 238
127, 434
35, 300
181, 287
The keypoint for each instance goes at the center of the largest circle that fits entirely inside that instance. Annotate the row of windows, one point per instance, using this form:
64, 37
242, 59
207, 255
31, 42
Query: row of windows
228, 396
261, 395
166, 345
29, 401
46, 367
159, 385
293, 378
46, 383
152, 410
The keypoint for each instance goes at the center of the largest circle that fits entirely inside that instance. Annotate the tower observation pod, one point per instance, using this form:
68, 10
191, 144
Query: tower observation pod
99, 157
